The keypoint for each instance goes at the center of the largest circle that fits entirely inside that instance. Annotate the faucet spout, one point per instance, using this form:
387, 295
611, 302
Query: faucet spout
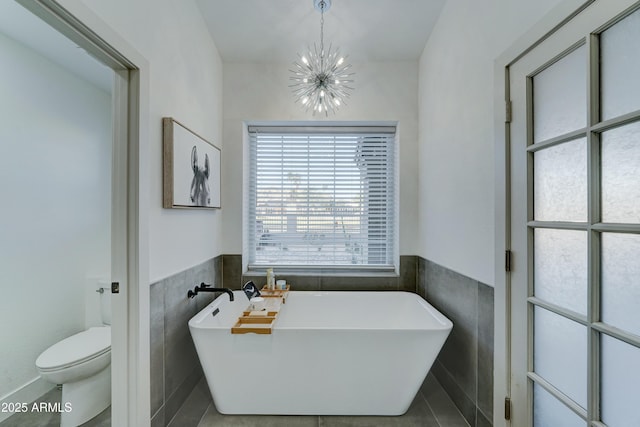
207, 288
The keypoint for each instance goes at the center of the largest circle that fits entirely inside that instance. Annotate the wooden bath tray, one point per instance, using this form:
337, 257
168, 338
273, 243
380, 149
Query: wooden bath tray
275, 293
261, 322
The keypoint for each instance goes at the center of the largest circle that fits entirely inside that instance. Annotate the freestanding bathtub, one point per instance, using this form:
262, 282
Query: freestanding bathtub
330, 353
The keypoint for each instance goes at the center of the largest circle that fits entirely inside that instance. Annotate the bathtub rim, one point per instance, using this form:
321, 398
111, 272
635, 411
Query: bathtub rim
443, 323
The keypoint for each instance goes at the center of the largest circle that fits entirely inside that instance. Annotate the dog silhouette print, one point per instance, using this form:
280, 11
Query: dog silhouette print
200, 193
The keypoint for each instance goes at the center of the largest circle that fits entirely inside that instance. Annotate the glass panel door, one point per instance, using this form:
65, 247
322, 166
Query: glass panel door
575, 222
560, 184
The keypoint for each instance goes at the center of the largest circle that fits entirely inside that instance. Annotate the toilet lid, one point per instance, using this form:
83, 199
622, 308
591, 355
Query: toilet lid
76, 349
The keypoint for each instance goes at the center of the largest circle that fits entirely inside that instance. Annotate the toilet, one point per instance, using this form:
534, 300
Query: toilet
82, 364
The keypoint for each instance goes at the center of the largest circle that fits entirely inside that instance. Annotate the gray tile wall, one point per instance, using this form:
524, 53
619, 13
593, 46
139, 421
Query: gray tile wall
464, 367
175, 368
406, 281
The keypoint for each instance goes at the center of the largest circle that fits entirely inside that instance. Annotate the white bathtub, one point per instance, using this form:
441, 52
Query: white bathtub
330, 353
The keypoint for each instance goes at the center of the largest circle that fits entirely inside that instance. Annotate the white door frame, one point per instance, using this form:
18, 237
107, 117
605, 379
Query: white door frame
130, 308
549, 24
596, 18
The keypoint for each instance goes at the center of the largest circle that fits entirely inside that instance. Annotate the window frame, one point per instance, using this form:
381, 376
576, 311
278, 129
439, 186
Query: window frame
388, 269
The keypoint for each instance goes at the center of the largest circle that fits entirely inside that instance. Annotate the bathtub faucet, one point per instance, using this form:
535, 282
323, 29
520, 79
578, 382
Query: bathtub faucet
207, 288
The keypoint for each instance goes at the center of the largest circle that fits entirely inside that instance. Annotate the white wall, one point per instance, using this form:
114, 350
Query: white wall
456, 149
185, 82
259, 91
55, 227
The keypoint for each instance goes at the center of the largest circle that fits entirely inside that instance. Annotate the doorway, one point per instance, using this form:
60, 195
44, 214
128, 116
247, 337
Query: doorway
117, 162
574, 220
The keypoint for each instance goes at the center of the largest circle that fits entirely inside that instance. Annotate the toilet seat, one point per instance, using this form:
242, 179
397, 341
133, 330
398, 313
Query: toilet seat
76, 349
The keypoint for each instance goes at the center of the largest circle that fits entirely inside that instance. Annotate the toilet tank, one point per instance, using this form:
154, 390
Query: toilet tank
105, 302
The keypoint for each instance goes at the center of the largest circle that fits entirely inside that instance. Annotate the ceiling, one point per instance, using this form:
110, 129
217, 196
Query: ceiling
261, 31
24, 27
275, 30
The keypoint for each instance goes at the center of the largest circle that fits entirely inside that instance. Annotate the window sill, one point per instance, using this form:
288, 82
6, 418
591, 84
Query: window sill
323, 273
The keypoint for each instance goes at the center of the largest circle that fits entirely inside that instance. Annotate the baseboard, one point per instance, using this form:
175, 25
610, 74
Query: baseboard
25, 394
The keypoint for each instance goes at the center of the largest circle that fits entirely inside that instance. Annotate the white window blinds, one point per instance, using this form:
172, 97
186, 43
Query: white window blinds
322, 197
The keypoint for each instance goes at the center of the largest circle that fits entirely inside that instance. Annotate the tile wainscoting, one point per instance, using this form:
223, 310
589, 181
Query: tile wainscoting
406, 281
464, 366
175, 368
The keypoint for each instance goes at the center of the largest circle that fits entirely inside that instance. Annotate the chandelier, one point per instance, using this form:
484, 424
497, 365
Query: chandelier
321, 79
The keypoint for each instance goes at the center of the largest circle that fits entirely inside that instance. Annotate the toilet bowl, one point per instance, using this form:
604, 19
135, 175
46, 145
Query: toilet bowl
82, 364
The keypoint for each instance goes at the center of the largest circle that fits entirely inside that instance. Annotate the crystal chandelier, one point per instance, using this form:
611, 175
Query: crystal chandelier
321, 79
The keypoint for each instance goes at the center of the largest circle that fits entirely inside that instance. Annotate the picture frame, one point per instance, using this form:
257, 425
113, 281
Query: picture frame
191, 168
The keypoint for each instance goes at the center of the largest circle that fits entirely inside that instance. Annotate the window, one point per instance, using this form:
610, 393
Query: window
322, 196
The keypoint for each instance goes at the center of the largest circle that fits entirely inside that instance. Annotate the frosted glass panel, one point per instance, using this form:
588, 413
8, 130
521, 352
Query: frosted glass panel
560, 97
621, 281
620, 383
549, 411
560, 182
621, 174
560, 354
620, 67
560, 268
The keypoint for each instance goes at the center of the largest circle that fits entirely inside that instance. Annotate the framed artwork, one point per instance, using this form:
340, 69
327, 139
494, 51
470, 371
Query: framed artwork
191, 168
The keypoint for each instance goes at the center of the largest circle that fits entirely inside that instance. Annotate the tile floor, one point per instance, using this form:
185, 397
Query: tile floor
432, 407
52, 419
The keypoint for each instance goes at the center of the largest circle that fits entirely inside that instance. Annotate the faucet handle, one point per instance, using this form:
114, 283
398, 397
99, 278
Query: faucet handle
204, 285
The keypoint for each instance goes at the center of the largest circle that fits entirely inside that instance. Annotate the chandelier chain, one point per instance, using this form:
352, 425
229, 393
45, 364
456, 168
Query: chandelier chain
322, 5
